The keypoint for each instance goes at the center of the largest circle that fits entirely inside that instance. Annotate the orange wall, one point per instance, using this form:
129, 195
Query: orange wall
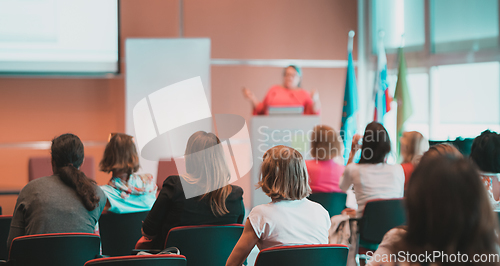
38, 109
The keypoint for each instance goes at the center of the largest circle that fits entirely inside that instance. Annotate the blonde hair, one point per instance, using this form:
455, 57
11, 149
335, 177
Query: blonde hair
325, 144
206, 165
284, 174
413, 146
120, 155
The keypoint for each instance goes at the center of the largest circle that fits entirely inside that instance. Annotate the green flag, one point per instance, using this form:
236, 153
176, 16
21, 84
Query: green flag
402, 96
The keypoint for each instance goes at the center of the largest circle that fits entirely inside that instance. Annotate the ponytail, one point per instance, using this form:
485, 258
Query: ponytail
83, 185
67, 157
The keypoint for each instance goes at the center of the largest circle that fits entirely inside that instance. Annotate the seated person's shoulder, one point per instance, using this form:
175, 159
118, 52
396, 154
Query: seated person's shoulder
172, 181
236, 192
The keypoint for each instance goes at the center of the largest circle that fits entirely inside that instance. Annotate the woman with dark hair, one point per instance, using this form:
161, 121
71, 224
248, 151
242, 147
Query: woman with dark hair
454, 220
485, 153
372, 177
127, 192
65, 202
290, 94
201, 196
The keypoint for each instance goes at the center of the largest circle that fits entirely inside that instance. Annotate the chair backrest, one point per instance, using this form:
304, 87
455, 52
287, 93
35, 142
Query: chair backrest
205, 244
64, 249
334, 202
379, 217
4, 235
120, 232
141, 260
311, 255
42, 166
167, 168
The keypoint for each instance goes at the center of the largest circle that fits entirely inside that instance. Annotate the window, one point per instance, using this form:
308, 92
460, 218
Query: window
466, 100
463, 25
397, 17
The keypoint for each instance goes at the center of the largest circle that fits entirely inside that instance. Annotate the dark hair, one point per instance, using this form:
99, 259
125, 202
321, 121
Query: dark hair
67, 157
485, 151
376, 144
120, 155
442, 149
448, 209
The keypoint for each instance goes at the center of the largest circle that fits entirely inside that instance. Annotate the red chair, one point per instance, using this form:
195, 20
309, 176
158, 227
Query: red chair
4, 235
167, 168
311, 255
63, 249
141, 260
42, 166
205, 245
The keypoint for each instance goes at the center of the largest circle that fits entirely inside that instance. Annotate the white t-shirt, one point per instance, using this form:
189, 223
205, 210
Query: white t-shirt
373, 181
290, 222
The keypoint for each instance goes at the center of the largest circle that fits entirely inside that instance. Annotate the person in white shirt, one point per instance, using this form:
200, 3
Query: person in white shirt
290, 219
372, 177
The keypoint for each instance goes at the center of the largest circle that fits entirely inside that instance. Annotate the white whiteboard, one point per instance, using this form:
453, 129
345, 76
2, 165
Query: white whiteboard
152, 64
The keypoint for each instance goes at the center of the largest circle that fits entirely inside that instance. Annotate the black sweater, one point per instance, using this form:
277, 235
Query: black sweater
172, 209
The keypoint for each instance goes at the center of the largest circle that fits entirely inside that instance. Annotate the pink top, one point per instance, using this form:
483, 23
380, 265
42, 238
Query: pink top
324, 176
280, 96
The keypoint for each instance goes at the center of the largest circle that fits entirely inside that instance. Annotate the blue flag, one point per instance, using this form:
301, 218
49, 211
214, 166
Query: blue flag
349, 122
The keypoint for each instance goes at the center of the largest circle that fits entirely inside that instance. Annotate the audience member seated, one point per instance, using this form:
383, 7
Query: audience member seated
412, 147
290, 218
65, 202
372, 177
219, 203
454, 219
485, 152
324, 172
127, 192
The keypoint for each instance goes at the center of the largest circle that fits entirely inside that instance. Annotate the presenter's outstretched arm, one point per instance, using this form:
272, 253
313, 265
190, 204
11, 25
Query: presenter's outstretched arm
251, 97
247, 241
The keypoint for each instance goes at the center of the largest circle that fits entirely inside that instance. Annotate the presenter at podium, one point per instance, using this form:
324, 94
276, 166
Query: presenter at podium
289, 96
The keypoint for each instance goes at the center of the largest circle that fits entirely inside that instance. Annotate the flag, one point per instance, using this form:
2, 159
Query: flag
349, 123
381, 90
402, 96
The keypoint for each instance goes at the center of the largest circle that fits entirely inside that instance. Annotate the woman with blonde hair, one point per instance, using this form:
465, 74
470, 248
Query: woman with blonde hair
290, 219
412, 147
201, 196
127, 192
324, 171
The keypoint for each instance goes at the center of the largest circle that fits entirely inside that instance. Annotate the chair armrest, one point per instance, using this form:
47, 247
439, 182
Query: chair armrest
152, 251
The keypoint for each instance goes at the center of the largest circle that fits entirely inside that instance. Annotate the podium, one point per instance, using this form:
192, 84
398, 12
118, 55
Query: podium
268, 131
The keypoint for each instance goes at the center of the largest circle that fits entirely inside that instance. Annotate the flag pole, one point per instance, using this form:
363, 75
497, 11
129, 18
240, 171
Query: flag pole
350, 42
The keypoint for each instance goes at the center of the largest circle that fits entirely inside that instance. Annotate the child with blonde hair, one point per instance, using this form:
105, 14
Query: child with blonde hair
290, 218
